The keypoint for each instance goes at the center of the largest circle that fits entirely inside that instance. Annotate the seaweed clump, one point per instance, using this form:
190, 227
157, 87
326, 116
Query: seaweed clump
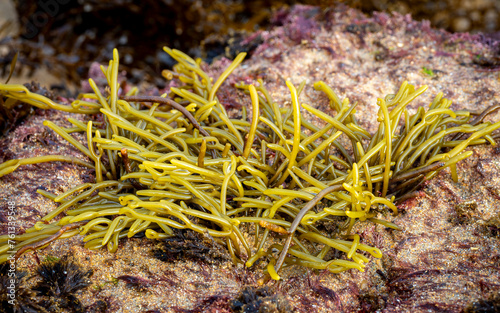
15, 296
179, 161
492, 304
61, 279
211, 304
187, 244
254, 300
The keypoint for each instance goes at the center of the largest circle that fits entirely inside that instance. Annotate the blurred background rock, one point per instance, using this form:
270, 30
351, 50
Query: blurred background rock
452, 15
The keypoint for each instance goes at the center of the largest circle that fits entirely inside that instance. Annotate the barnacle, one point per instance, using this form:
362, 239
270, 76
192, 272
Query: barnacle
179, 161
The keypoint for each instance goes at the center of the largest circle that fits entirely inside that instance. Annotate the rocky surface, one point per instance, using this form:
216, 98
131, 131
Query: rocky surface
445, 258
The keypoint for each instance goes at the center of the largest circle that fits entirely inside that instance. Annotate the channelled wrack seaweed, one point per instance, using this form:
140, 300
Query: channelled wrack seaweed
180, 162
